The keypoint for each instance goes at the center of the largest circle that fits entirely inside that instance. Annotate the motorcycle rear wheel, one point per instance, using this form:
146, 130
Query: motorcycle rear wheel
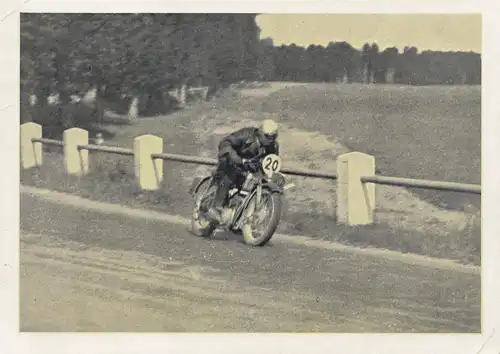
201, 226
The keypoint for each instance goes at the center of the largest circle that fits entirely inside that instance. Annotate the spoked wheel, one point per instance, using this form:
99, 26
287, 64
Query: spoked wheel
261, 220
200, 225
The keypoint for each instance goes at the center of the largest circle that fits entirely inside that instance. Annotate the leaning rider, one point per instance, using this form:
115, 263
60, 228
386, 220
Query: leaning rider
236, 152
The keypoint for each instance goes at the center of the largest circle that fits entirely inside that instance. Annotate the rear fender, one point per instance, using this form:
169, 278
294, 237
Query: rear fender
197, 182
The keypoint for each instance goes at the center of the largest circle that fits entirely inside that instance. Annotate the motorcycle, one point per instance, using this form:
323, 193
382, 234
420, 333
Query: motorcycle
245, 200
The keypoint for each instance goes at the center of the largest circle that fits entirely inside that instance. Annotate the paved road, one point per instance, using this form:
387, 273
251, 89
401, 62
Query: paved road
85, 270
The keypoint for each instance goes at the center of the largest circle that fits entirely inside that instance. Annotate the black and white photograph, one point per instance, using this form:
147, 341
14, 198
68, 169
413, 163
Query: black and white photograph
251, 172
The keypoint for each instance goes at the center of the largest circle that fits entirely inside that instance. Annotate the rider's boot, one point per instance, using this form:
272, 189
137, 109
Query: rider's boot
214, 214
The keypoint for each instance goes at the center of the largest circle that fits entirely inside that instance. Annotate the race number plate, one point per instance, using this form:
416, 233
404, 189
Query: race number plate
271, 164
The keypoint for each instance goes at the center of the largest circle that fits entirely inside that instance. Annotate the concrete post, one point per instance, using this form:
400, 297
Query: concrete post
31, 153
76, 162
355, 200
148, 172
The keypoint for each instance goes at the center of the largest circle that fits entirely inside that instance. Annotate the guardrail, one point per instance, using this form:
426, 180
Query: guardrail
108, 149
212, 162
355, 177
426, 184
48, 141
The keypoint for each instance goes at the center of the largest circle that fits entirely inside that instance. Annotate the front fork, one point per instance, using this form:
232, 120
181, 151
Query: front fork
245, 216
258, 194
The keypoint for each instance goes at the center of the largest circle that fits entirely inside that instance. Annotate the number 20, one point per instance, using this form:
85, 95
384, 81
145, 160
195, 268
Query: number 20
272, 164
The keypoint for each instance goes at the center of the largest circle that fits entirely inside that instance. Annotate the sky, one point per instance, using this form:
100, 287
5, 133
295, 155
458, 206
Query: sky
456, 32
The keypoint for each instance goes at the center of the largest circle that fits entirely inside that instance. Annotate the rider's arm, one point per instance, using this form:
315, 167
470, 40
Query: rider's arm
227, 145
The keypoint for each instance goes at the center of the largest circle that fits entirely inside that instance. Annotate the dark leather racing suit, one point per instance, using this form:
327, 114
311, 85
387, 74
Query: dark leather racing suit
239, 145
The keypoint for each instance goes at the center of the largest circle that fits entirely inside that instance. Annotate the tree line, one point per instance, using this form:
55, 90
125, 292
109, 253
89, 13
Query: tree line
151, 54
341, 62
135, 54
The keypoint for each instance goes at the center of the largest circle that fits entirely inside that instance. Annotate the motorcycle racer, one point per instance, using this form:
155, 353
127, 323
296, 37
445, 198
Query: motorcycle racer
237, 153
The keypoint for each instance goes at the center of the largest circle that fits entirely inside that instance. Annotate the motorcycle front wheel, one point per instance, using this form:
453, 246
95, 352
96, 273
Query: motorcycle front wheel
270, 207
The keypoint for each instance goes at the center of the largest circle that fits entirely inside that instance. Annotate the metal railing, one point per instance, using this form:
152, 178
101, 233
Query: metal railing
48, 141
377, 179
425, 184
212, 162
185, 158
309, 173
108, 149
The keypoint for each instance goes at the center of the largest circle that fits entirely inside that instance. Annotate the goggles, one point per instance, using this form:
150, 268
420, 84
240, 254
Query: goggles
272, 136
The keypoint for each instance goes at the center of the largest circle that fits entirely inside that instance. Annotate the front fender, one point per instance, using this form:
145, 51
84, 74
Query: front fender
273, 187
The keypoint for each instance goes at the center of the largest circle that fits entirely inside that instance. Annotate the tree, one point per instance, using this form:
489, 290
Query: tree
135, 54
366, 60
388, 61
266, 60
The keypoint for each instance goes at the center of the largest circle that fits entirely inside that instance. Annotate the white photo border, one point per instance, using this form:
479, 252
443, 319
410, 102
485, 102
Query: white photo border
12, 341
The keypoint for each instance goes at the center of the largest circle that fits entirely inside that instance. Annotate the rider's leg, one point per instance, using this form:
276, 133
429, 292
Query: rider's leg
223, 182
221, 192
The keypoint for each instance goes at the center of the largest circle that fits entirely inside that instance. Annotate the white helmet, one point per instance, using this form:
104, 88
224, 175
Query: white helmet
268, 132
269, 127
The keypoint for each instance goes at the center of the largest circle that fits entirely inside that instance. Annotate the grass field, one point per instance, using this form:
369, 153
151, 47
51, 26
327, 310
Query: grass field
416, 132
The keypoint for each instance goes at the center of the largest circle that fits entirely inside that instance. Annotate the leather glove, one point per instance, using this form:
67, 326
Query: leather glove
250, 165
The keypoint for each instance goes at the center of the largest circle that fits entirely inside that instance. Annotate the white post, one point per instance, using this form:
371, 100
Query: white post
355, 200
31, 152
148, 172
76, 162
182, 95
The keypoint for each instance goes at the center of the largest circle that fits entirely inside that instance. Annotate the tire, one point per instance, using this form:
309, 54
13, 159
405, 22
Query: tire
277, 206
199, 225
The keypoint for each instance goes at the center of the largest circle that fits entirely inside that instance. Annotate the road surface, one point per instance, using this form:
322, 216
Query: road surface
92, 270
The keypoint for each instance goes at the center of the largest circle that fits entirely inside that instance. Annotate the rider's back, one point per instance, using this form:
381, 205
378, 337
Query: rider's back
241, 143
244, 143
